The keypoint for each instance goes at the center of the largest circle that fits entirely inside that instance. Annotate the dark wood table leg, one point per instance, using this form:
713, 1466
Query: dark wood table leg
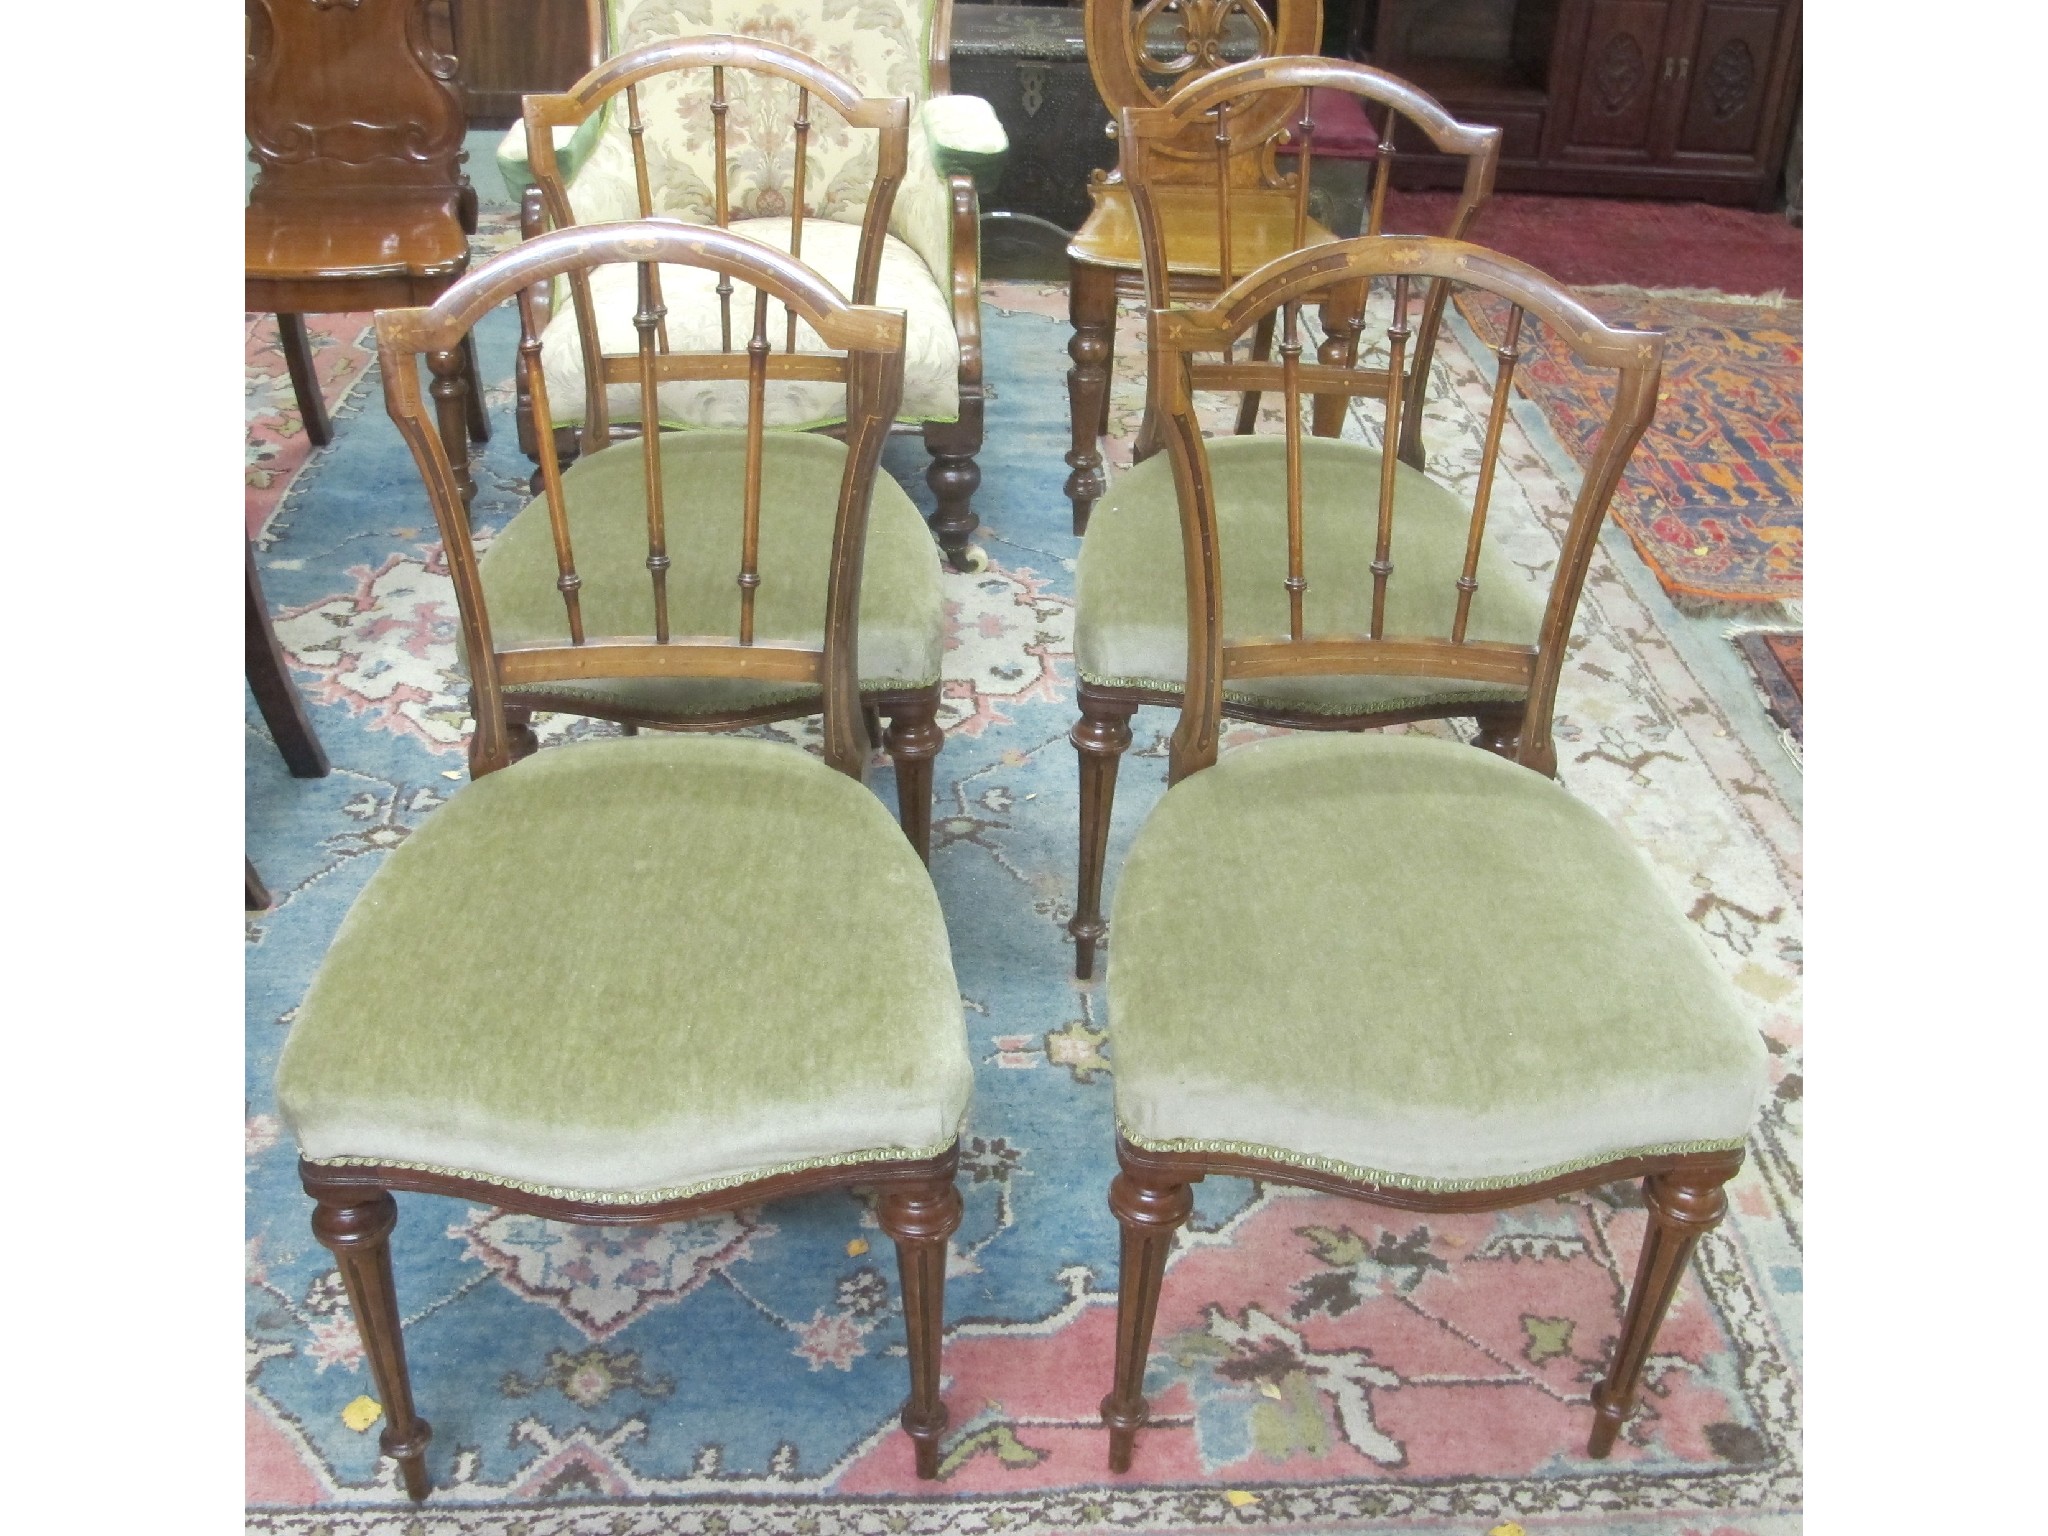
284, 709
298, 357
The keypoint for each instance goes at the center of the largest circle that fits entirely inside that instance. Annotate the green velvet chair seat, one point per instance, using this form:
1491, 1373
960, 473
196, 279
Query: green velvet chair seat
902, 612
1405, 960
1130, 622
637, 968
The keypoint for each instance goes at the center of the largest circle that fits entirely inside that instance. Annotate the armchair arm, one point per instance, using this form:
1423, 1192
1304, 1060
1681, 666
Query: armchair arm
572, 149
966, 138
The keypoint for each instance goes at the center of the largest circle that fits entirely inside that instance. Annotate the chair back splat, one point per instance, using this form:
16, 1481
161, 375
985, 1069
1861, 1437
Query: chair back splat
1243, 110
870, 366
887, 116
1322, 635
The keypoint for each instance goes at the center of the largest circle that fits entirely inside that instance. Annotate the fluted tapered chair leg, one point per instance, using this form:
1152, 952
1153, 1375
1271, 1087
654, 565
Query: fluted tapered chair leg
1101, 737
1149, 1212
1684, 1207
919, 1219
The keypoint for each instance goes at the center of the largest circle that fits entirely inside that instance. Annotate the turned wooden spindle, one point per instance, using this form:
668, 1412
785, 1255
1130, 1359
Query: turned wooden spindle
450, 390
1382, 174
1496, 418
1290, 375
567, 582
1382, 550
1305, 133
636, 132
750, 533
796, 212
645, 320
722, 212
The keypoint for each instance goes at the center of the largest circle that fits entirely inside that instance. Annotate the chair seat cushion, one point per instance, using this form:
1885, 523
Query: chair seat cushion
1411, 962
641, 969
1130, 622
1261, 228
703, 476
931, 356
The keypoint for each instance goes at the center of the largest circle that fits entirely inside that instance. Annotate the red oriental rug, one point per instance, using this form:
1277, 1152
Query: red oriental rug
1712, 499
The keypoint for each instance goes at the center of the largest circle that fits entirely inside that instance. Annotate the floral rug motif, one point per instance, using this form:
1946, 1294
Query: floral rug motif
1712, 499
1319, 1365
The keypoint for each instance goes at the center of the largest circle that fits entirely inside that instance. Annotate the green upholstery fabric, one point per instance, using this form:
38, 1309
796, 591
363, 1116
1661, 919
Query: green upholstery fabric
1414, 961
572, 147
966, 137
902, 609
1130, 621
637, 966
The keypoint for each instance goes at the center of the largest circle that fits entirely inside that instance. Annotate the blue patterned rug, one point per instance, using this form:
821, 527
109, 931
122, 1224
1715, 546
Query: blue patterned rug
1318, 1364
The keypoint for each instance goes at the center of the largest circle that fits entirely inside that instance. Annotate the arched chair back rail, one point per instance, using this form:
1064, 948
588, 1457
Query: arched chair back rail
1367, 592
1216, 134
1228, 114
871, 370
810, 86
696, 120
608, 984
1387, 966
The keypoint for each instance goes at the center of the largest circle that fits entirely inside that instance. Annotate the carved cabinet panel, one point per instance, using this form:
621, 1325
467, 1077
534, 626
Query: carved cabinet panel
1618, 88
1731, 52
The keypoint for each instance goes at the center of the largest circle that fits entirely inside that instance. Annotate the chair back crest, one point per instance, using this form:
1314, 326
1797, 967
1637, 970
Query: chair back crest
882, 47
307, 64
1185, 342
870, 367
1213, 108
1144, 52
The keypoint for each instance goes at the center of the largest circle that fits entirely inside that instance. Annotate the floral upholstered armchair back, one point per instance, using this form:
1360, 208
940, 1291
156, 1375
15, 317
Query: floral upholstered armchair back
884, 47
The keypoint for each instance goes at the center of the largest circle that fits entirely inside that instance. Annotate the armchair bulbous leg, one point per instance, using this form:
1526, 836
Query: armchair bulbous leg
1684, 1207
920, 1218
355, 1226
1092, 308
1149, 1210
914, 741
1101, 737
954, 478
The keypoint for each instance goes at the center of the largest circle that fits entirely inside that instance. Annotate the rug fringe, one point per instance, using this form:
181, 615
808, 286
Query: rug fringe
1760, 615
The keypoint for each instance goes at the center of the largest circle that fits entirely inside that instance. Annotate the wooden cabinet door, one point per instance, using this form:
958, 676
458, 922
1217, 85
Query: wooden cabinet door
1616, 108
508, 48
1734, 57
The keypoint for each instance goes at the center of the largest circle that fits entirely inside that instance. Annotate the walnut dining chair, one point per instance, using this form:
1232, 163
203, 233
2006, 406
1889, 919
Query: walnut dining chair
605, 314
645, 980
1388, 966
1224, 203
1129, 614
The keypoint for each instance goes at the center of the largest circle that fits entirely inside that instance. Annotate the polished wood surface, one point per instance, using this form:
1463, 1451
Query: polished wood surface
953, 474
1235, 236
510, 49
355, 122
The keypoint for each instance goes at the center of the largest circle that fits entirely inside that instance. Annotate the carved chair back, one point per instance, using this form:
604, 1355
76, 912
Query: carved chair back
724, 67
1144, 52
1226, 109
346, 97
870, 367
1322, 636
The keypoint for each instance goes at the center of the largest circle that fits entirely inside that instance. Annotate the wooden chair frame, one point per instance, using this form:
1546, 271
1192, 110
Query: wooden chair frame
1193, 148
1158, 139
913, 738
1150, 1195
953, 474
919, 1206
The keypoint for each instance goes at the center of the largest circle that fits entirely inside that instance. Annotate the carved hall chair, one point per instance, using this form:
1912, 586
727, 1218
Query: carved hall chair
1154, 54
355, 122
693, 315
1130, 610
1388, 966
610, 983
733, 147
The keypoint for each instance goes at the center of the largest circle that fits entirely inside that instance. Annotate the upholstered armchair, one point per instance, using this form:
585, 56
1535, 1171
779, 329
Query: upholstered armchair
930, 261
